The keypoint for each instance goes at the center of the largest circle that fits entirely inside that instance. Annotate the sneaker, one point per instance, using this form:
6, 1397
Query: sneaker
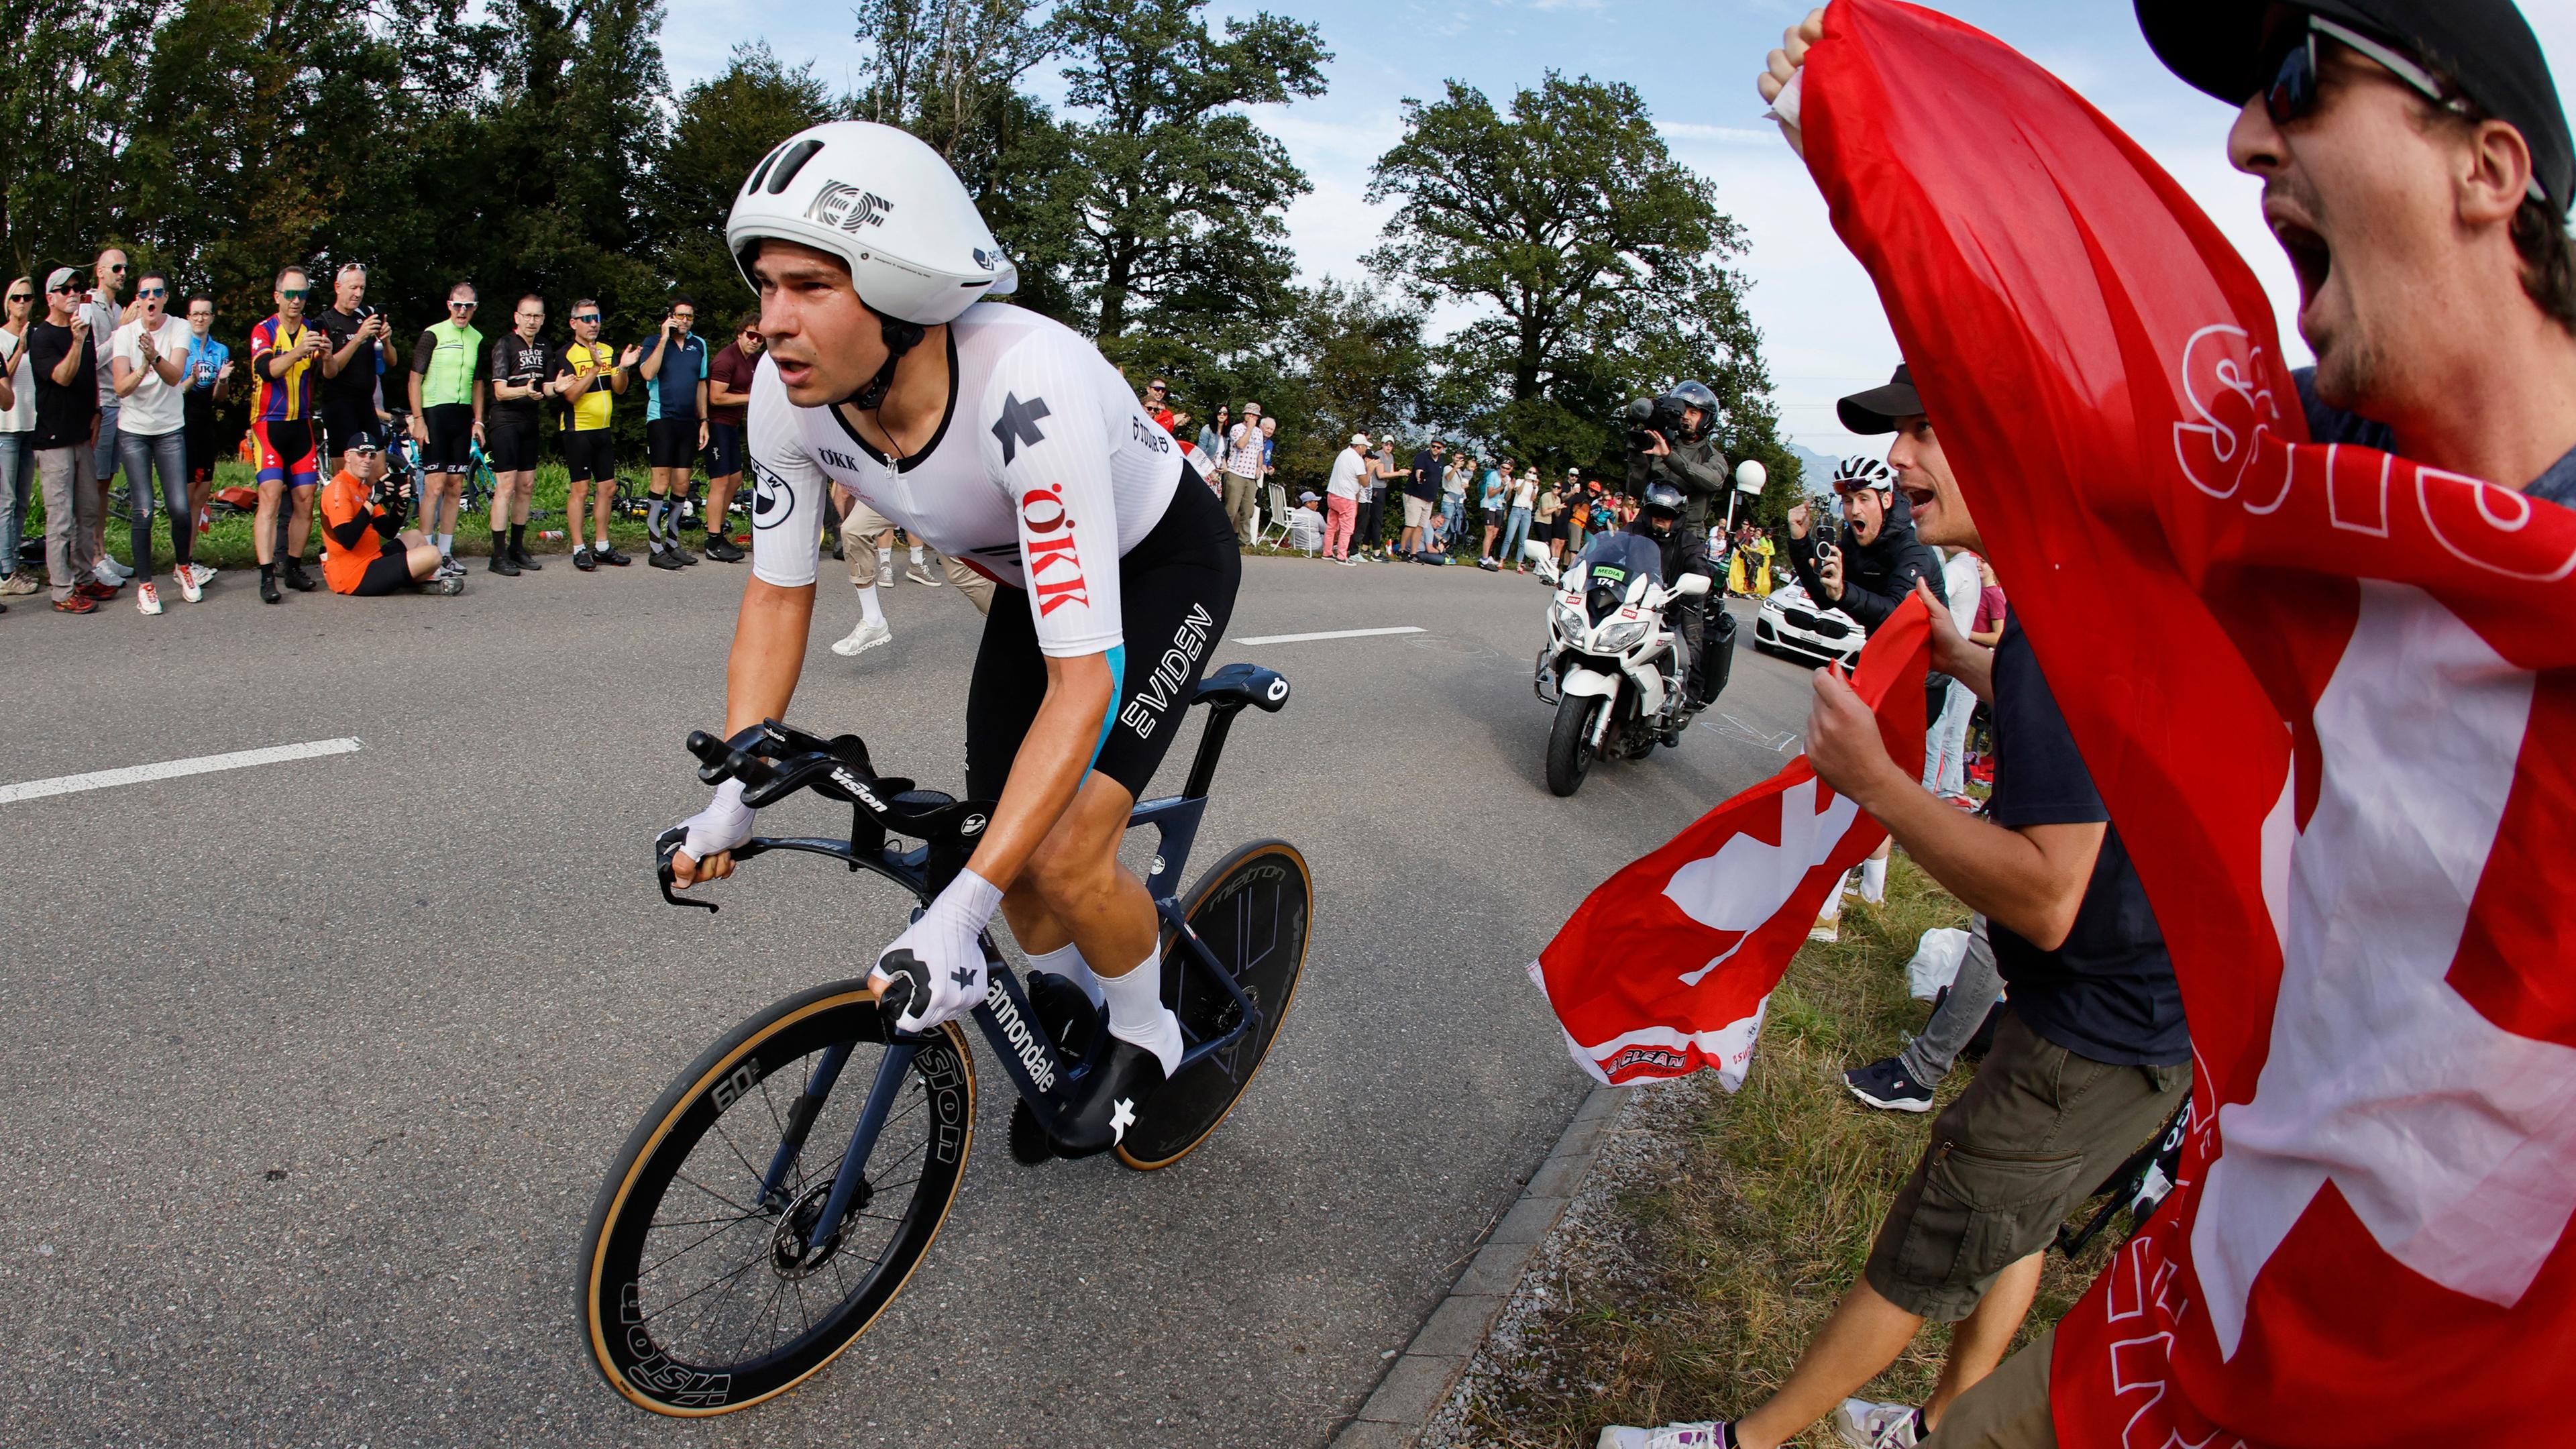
76, 604
96, 592
723, 549
110, 571
1888, 1085
297, 579
21, 582
191, 587
607, 553
1827, 931
147, 599
920, 574
663, 558
582, 560
885, 574
1864, 1425
268, 593
1348, 563
204, 574
519, 555
447, 564
444, 584
1707, 1434
864, 638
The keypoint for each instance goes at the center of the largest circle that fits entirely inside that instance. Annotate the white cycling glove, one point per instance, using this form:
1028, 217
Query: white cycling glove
724, 824
945, 945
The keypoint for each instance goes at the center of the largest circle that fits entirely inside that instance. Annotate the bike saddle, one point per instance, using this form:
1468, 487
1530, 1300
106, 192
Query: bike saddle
1237, 685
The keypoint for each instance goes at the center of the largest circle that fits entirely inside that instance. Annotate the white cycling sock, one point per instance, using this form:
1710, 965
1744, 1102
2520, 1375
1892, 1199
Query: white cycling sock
1066, 961
1137, 1013
885, 558
916, 555
868, 610
1873, 879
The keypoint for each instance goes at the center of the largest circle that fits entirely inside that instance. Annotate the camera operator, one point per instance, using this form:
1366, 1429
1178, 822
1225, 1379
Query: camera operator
1673, 443
1874, 567
365, 548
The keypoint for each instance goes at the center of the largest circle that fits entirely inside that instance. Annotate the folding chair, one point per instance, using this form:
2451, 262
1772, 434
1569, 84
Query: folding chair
1278, 516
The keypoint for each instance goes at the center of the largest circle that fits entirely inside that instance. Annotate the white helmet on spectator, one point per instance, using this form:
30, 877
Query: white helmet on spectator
886, 205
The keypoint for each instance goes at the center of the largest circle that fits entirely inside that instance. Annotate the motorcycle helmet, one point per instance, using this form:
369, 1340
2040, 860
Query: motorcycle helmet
1660, 509
1698, 395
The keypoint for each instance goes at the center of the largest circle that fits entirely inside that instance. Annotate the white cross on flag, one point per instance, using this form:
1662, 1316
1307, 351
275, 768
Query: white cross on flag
2330, 698
1664, 969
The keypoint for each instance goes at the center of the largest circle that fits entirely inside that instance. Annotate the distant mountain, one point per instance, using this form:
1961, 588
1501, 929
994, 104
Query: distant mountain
1817, 466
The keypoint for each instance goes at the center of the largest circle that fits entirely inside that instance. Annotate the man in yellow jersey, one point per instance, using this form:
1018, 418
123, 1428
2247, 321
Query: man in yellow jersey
588, 382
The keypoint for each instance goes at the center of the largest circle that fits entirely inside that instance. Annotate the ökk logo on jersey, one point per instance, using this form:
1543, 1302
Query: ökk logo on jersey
847, 207
1054, 562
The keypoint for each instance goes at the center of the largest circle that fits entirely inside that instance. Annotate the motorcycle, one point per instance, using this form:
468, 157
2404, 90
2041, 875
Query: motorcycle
1613, 659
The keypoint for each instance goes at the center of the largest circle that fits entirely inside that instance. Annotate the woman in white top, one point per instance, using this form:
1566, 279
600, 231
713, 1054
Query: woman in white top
148, 363
17, 421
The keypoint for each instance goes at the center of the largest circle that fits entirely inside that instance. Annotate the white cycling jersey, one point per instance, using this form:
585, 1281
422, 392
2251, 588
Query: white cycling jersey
1046, 473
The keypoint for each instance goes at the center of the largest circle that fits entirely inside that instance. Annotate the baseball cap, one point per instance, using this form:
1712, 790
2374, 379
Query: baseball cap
1877, 410
2484, 47
362, 440
1308, 496
1359, 440
55, 279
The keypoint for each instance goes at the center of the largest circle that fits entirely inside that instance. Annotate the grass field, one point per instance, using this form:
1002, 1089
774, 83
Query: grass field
1727, 1259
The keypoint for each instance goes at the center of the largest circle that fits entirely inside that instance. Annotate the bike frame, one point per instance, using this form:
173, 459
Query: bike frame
1044, 1078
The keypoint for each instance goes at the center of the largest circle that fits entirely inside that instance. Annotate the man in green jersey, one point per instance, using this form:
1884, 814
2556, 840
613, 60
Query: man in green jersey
447, 394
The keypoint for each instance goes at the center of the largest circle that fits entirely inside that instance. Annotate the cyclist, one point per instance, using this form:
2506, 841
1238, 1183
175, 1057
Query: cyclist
286, 356
588, 381
521, 361
1004, 440
447, 414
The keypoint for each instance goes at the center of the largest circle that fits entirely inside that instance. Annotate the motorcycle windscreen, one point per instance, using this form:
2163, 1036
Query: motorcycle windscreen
1623, 558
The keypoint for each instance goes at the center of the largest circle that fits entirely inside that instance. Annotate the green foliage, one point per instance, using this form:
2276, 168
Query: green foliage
1357, 363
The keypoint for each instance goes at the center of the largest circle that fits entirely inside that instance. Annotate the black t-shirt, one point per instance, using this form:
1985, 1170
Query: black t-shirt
1425, 482
63, 410
354, 389
521, 364
2109, 992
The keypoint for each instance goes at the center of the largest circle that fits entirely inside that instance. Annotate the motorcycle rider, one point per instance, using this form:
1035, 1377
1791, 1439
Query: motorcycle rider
1663, 517
1690, 463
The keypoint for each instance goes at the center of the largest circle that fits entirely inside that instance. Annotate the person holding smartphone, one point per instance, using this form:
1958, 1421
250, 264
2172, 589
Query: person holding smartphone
356, 333
588, 379
286, 354
674, 369
728, 396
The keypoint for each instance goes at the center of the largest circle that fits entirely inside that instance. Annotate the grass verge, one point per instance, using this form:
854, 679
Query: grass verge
1723, 1263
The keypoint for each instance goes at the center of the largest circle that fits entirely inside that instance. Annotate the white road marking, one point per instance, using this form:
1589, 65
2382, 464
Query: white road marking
1327, 634
171, 769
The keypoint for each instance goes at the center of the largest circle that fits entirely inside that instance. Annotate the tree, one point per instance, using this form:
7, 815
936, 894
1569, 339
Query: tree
1355, 363
1599, 259
724, 126
1177, 222
65, 78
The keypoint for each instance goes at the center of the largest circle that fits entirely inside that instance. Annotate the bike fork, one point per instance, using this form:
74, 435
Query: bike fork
863, 1140
800, 1121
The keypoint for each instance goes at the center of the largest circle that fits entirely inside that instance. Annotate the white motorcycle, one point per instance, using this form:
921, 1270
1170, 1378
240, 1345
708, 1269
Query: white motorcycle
1613, 659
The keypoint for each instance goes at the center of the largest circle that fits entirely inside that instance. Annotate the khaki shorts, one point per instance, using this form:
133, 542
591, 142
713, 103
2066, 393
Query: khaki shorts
2007, 1409
863, 521
1417, 511
2033, 1136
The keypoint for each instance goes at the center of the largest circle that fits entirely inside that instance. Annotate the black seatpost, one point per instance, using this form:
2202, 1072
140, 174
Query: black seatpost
1211, 745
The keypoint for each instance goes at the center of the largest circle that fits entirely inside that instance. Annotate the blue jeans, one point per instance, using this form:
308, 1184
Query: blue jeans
1453, 516
143, 456
17, 474
1515, 531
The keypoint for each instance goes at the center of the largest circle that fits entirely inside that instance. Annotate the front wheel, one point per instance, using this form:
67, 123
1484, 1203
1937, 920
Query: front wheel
701, 1293
1569, 745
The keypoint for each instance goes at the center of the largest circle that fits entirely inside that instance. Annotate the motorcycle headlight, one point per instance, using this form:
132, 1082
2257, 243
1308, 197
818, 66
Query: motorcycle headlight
1568, 610
1620, 634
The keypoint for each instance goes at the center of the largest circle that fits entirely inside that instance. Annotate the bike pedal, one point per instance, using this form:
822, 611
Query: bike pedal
1030, 1144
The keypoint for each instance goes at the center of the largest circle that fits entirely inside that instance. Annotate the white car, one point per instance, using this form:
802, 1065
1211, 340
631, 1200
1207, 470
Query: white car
1790, 623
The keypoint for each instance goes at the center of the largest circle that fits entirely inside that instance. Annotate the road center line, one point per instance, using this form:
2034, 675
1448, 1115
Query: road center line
1327, 634
171, 769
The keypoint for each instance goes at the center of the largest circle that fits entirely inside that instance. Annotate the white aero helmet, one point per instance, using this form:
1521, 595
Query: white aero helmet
884, 203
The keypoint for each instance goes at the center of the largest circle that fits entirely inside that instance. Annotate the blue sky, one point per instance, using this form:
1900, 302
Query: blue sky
1823, 333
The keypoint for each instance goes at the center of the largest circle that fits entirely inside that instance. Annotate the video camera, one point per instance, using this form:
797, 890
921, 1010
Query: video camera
1649, 418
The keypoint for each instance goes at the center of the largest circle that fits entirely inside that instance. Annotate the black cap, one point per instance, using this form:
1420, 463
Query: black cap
359, 438
1877, 410
2483, 46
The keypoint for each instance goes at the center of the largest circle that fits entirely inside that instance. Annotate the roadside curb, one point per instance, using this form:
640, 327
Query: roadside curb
1420, 1379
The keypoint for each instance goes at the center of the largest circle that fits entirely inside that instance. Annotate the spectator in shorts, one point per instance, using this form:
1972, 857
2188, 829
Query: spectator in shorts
64, 441
588, 382
1496, 487
521, 362
17, 427
1421, 498
447, 398
728, 396
353, 366
674, 369
1547, 520
149, 359
365, 549
286, 353
210, 380
1241, 479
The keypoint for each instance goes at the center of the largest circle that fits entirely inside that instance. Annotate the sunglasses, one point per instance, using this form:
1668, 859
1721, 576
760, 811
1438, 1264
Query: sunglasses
2296, 89
366, 452
21, 297
153, 292
460, 306
587, 317
119, 269
293, 294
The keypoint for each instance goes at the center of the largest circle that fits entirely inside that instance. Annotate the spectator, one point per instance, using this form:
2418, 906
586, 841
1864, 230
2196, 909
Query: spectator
286, 355
353, 367
1269, 450
1578, 514
1305, 525
1547, 521
674, 369
588, 381
1382, 479
17, 431
861, 526
1453, 501
521, 363
728, 403
1421, 498
365, 549
65, 440
1157, 401
1489, 509
447, 399
1990, 607
1342, 498
1242, 472
149, 361
1879, 558
1945, 742
1522, 498
210, 379
1212, 441
104, 315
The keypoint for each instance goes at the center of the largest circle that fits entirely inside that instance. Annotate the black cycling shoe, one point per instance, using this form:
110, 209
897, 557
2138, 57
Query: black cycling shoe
662, 559
268, 593
1070, 1021
582, 560
723, 549
1125, 1079
683, 555
609, 555
500, 564
524, 559
298, 580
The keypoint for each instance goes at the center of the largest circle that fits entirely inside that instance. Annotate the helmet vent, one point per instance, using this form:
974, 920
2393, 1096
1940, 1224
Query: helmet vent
762, 170
791, 161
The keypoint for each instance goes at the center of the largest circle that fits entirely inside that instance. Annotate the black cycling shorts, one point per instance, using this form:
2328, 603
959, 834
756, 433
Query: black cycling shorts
671, 442
590, 453
451, 438
1176, 590
339, 424
509, 442
724, 449
386, 573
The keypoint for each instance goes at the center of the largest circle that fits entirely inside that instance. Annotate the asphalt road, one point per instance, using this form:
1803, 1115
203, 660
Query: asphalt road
314, 1068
